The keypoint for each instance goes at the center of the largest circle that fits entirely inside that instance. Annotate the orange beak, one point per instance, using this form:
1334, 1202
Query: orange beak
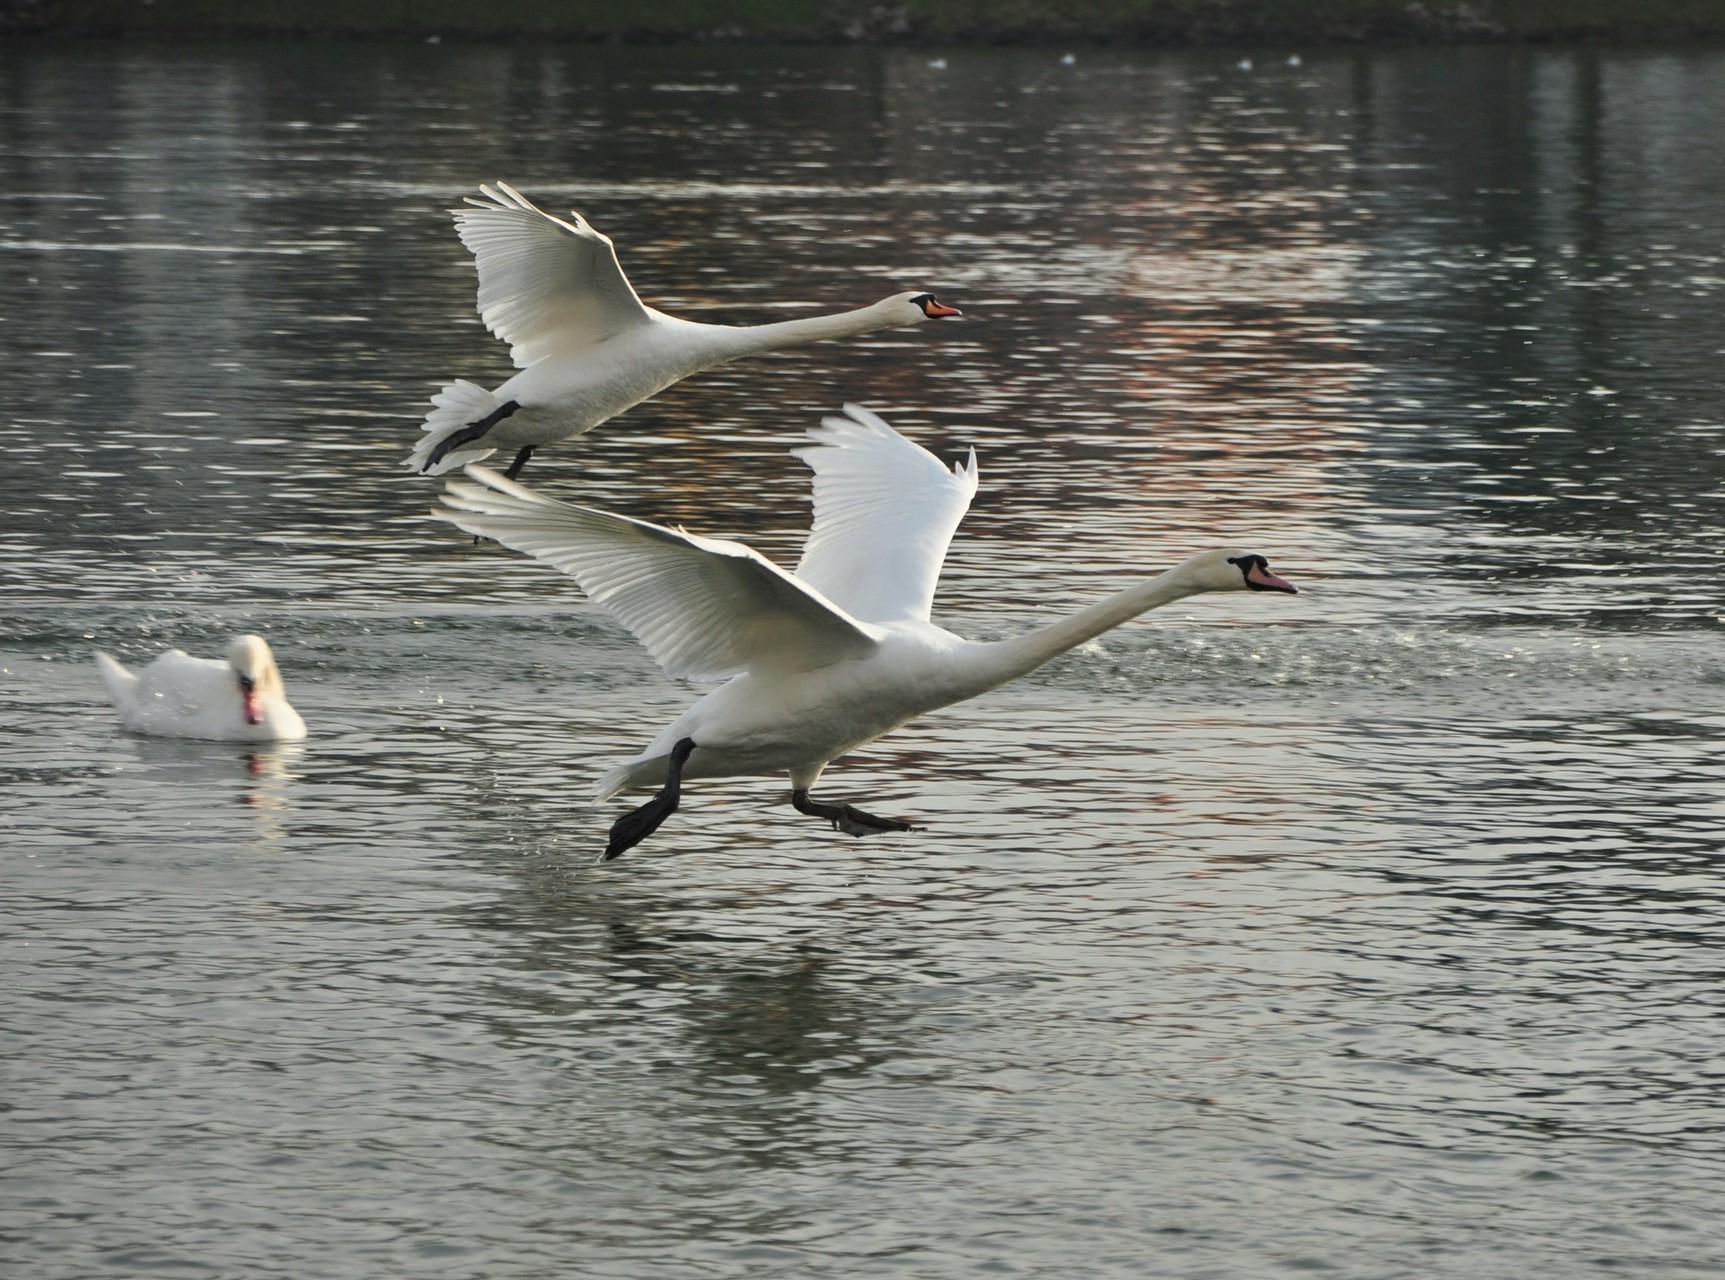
935, 308
249, 702
1264, 580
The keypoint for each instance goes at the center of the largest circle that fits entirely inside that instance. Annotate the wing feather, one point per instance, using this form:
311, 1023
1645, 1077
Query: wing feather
546, 286
885, 513
705, 608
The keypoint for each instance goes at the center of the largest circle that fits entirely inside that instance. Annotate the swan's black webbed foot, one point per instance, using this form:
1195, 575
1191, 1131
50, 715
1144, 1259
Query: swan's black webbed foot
514, 468
847, 818
468, 434
632, 828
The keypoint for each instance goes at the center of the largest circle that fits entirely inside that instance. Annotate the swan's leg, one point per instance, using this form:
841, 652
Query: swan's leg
846, 818
632, 828
471, 432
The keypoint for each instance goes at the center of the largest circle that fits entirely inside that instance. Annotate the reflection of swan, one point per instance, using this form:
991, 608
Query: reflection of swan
239, 698
586, 345
823, 660
216, 780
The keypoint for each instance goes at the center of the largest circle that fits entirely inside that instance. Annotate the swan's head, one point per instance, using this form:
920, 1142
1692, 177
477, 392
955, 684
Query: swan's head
917, 306
255, 670
1233, 571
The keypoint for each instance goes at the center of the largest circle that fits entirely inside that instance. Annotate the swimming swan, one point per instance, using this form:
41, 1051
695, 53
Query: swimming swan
816, 662
586, 345
239, 698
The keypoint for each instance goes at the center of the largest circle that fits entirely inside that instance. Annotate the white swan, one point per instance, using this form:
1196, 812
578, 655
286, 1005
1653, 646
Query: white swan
817, 662
586, 345
239, 698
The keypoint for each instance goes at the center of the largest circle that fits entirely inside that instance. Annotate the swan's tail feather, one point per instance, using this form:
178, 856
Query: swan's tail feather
610, 784
629, 775
120, 683
458, 405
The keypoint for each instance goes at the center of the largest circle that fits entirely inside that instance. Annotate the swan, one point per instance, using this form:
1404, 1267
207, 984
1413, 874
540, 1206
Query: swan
819, 661
586, 345
238, 698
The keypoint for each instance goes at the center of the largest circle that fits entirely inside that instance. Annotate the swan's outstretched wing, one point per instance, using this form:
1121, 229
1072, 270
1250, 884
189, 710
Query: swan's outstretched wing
705, 608
546, 286
885, 512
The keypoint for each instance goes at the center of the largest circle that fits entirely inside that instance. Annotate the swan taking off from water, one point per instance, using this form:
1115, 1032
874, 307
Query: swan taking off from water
237, 699
816, 662
586, 345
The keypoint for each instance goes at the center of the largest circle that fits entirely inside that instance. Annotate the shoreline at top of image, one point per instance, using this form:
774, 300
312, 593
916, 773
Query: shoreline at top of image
914, 22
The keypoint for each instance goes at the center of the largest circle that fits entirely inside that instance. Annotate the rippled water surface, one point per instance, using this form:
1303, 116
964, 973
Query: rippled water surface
1373, 932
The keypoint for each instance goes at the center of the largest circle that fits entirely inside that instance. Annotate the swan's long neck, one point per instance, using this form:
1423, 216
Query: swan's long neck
795, 333
1008, 659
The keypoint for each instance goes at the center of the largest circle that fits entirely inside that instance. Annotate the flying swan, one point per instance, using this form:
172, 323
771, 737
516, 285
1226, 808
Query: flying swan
586, 345
238, 698
817, 662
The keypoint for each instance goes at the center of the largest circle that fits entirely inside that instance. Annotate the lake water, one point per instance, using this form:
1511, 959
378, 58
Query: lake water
1373, 932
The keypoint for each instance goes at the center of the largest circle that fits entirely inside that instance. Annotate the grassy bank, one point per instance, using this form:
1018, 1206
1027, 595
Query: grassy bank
908, 21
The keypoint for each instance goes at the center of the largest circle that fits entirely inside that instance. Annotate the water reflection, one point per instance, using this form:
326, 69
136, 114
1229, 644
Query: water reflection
260, 779
748, 1017
1255, 287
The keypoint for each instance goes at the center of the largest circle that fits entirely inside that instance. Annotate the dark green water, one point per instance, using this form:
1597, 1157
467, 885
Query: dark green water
1370, 933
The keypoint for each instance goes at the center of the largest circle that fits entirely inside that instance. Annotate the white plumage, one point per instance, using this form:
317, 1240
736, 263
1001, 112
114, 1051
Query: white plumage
885, 513
238, 698
588, 348
818, 662
705, 608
